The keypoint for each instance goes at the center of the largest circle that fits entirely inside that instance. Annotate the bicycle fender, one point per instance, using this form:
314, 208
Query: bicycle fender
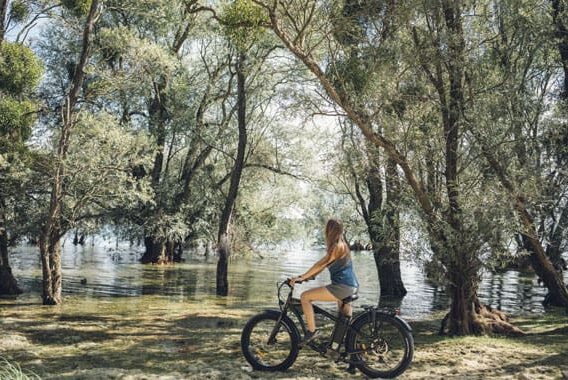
399, 319
404, 323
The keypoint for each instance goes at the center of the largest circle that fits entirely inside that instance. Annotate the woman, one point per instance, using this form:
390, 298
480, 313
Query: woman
343, 280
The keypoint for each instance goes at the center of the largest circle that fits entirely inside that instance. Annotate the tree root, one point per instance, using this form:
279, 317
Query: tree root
485, 321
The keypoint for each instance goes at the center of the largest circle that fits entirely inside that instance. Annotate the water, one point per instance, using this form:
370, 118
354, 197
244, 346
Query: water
112, 274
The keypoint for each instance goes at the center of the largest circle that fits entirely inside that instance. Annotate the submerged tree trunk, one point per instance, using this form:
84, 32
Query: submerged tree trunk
543, 267
51, 231
223, 237
8, 283
384, 228
155, 245
161, 251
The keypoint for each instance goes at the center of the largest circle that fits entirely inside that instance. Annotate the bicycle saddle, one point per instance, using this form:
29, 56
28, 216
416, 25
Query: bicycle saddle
350, 299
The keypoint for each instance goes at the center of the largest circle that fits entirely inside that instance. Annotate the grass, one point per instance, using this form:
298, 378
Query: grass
155, 338
12, 371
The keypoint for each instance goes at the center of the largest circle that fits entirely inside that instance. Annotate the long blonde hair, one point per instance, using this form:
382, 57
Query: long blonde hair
334, 235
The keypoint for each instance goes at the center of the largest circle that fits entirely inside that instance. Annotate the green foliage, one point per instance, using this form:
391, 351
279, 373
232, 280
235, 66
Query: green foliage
19, 11
143, 61
16, 120
77, 7
100, 169
243, 22
20, 69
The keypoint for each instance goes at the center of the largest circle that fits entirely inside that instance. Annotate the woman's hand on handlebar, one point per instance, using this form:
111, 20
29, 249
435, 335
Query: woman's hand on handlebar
298, 280
292, 281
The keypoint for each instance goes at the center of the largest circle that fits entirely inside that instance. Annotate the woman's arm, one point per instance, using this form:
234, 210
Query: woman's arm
319, 266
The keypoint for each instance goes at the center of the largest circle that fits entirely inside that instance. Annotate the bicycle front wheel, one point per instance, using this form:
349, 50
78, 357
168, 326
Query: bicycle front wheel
382, 347
268, 347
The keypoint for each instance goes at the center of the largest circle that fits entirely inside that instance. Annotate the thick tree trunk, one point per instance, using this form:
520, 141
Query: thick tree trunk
223, 237
8, 283
155, 252
463, 297
161, 251
384, 229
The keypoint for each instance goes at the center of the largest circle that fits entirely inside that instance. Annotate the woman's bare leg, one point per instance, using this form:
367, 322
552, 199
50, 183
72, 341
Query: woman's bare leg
316, 294
345, 309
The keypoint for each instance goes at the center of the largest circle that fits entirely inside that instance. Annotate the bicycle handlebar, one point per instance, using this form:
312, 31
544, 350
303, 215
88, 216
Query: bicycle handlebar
287, 282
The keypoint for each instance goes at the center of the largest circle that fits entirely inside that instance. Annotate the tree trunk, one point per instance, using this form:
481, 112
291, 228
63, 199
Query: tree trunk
384, 228
543, 267
559, 14
155, 252
3, 14
8, 283
51, 231
554, 247
223, 237
224, 252
462, 312
50, 251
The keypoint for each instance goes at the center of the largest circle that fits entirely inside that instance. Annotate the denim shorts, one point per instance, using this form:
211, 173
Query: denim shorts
341, 291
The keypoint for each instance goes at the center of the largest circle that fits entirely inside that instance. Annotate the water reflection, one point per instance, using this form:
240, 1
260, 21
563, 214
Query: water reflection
103, 271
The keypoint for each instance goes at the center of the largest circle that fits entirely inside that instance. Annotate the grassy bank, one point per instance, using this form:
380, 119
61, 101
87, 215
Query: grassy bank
153, 339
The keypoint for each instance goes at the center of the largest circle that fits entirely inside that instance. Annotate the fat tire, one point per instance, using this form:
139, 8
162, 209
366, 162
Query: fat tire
402, 330
287, 325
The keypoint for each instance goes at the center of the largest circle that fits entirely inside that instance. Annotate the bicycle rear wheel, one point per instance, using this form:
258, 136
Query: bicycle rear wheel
380, 348
276, 355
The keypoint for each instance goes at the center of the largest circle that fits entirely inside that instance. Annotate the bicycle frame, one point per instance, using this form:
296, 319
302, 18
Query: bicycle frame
295, 307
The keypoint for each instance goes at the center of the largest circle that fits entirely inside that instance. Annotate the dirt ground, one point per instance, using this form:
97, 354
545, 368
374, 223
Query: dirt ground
86, 340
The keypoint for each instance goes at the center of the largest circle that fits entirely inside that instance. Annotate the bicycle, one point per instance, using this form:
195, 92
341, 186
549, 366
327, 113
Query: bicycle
377, 341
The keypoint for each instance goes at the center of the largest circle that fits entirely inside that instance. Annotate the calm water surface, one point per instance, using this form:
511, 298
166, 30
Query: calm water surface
113, 274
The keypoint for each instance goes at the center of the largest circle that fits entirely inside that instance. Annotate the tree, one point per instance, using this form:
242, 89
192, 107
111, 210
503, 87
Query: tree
20, 71
242, 20
52, 231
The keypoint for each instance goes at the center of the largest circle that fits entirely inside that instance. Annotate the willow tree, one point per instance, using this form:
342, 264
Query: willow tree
20, 72
52, 230
241, 20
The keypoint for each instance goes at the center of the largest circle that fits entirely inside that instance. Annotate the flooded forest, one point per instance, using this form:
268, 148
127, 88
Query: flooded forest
164, 165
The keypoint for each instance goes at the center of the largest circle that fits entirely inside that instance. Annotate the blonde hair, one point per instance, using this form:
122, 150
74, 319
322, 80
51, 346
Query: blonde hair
334, 234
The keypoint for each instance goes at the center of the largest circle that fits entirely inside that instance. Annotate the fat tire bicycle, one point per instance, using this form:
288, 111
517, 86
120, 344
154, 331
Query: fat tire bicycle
377, 341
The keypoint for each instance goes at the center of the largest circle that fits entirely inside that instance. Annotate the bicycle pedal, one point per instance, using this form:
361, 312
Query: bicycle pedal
319, 347
351, 369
